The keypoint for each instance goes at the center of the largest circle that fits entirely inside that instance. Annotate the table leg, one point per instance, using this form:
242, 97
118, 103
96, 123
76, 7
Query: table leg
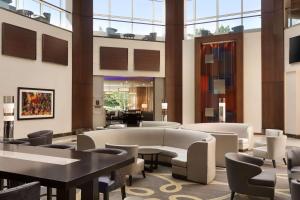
90, 190
151, 163
156, 161
66, 193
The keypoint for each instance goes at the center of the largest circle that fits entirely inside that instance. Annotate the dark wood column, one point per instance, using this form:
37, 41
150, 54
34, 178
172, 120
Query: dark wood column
82, 87
174, 37
272, 33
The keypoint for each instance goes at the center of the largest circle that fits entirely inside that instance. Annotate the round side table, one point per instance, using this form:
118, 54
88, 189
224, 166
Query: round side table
153, 153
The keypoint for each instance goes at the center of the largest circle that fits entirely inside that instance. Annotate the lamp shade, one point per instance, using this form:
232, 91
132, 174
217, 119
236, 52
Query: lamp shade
144, 105
164, 106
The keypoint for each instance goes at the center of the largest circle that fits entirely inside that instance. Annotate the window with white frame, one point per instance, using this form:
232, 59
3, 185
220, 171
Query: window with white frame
220, 16
138, 17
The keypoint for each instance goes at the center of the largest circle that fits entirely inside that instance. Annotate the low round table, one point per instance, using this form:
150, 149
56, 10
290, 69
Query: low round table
153, 153
295, 175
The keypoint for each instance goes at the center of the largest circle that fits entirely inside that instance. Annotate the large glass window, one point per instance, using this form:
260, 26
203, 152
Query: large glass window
134, 19
55, 12
203, 17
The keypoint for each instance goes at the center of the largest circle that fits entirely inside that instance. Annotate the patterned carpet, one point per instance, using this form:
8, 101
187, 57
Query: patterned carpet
160, 185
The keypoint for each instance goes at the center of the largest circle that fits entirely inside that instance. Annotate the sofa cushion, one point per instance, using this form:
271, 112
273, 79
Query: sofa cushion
184, 138
264, 179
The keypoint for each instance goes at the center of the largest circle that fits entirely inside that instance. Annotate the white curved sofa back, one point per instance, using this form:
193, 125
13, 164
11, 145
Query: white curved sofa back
160, 124
141, 136
242, 130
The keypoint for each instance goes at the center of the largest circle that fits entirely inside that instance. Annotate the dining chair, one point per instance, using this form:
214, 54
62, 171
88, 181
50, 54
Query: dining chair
114, 180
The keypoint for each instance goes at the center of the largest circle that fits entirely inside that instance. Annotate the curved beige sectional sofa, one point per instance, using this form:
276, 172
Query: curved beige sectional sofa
230, 137
160, 124
192, 153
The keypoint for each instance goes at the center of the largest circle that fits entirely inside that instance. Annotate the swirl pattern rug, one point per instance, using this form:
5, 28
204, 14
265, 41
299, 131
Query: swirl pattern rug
160, 185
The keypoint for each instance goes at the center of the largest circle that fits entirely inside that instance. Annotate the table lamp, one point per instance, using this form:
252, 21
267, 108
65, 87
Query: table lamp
8, 117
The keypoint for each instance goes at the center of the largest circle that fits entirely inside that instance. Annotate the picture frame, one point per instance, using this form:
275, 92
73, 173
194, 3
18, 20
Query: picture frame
35, 103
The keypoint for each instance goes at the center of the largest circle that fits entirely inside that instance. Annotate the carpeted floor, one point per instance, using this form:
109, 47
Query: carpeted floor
160, 185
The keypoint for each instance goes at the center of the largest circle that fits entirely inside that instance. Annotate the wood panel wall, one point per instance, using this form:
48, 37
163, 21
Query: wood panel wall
54, 50
112, 58
18, 42
272, 33
146, 60
238, 38
173, 50
82, 71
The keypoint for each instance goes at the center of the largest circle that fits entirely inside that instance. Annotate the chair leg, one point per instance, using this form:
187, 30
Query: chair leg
49, 193
284, 160
105, 195
274, 163
123, 192
232, 195
144, 175
130, 180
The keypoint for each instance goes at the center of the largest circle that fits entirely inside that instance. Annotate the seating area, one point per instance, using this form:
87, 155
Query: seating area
149, 99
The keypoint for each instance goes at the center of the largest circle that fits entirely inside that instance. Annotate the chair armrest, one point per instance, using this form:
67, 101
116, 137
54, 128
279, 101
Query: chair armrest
253, 160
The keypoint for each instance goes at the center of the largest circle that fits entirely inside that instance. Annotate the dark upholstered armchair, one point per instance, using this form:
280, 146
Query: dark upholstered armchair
293, 160
295, 190
40, 138
115, 179
30, 191
246, 177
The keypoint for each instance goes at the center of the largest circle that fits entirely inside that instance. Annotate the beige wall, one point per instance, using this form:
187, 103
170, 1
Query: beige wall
16, 72
252, 80
131, 45
292, 86
188, 79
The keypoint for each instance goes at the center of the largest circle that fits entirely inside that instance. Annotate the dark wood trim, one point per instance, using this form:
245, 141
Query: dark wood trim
238, 37
82, 71
146, 60
55, 50
18, 42
272, 36
113, 58
173, 56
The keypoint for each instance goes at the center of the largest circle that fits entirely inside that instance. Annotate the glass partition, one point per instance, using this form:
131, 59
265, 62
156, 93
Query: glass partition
54, 12
204, 17
130, 19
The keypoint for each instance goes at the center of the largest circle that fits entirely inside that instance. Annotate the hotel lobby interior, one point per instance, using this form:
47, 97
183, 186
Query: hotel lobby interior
149, 99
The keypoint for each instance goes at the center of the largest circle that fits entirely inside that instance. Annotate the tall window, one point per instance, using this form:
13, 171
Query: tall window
204, 17
143, 18
55, 12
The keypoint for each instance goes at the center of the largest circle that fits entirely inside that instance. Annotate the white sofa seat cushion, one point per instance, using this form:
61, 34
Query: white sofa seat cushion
179, 156
260, 152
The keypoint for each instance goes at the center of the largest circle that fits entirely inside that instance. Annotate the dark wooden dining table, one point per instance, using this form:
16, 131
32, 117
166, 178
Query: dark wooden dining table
64, 170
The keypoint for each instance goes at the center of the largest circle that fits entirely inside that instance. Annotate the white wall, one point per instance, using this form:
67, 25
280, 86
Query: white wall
292, 86
17, 72
188, 79
252, 80
131, 45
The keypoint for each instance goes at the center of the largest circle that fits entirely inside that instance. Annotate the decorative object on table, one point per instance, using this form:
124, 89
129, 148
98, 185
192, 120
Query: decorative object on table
144, 106
129, 36
8, 113
35, 103
112, 32
164, 108
222, 110
150, 37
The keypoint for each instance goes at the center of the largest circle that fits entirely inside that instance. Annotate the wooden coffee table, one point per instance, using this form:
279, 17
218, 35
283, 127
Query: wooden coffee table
153, 153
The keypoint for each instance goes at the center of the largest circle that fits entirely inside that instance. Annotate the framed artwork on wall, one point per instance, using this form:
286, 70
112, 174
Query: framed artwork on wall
35, 103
